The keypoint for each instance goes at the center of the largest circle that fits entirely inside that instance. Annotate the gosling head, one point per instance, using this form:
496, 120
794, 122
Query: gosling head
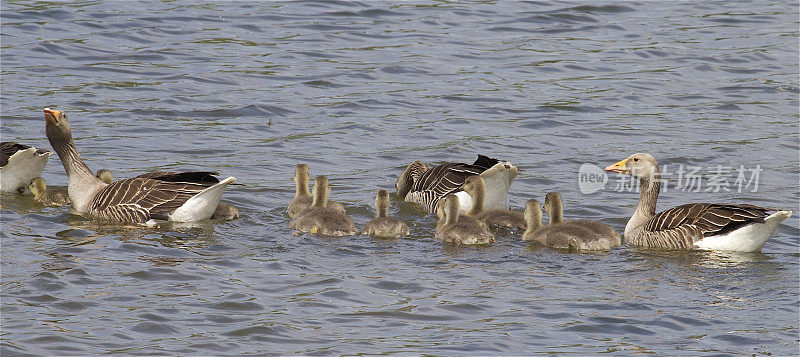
382, 203
533, 214
37, 187
321, 191
104, 176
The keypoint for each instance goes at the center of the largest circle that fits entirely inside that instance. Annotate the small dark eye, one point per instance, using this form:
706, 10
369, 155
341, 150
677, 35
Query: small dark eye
635, 159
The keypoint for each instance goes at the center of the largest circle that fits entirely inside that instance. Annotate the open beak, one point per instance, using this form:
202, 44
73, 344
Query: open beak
51, 116
618, 167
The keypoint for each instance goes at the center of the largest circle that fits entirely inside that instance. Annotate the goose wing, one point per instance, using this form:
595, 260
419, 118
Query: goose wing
708, 218
442, 180
151, 195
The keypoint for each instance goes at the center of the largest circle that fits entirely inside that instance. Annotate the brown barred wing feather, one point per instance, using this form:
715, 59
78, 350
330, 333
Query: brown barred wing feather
142, 198
708, 218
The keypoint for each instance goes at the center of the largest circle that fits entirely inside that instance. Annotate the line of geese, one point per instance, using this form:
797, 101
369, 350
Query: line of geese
467, 198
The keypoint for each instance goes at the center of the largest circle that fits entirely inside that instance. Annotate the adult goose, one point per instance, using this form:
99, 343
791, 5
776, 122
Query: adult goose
223, 211
457, 229
475, 187
425, 185
708, 226
180, 197
19, 164
322, 219
605, 236
52, 196
302, 197
383, 225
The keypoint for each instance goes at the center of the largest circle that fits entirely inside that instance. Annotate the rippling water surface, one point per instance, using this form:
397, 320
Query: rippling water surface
358, 90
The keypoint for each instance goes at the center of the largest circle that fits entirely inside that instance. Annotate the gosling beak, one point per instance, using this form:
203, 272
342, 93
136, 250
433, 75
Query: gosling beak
51, 116
618, 167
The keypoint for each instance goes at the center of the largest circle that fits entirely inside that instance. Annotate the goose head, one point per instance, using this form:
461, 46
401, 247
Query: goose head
57, 126
406, 179
37, 187
321, 191
533, 215
105, 176
553, 207
639, 165
382, 203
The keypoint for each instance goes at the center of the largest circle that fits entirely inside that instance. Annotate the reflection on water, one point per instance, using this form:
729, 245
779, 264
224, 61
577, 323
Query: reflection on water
358, 91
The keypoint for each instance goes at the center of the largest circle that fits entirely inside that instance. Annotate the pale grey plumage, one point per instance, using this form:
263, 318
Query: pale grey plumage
383, 225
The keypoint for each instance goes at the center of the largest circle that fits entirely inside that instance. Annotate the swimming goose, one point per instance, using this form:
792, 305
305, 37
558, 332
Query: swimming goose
604, 236
474, 186
383, 225
709, 226
426, 185
457, 229
104, 176
19, 164
54, 196
559, 235
223, 211
302, 198
322, 219
180, 197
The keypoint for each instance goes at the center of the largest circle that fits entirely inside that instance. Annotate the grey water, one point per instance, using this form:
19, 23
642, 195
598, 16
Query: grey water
358, 90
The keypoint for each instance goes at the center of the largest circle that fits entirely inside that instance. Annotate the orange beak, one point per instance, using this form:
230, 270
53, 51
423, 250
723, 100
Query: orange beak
618, 167
51, 116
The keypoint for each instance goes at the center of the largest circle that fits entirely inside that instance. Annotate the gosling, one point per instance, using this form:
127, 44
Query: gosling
475, 187
55, 196
457, 229
302, 198
383, 225
598, 235
322, 219
104, 176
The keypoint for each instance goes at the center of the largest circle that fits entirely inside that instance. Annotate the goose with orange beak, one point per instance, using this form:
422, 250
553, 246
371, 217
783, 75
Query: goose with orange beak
169, 196
707, 226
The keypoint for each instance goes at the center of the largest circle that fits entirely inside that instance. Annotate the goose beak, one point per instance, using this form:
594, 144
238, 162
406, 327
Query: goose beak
618, 167
51, 116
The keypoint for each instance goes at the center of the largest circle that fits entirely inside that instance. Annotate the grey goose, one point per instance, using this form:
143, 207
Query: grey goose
708, 226
19, 164
425, 185
223, 211
180, 197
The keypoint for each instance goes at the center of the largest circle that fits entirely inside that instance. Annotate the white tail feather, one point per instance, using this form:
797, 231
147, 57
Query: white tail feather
750, 238
202, 205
